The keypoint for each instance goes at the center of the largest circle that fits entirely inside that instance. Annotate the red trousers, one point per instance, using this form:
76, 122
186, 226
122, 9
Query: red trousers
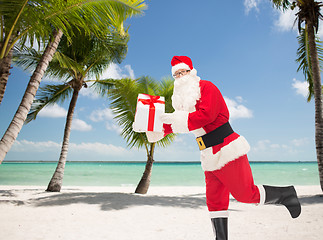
235, 178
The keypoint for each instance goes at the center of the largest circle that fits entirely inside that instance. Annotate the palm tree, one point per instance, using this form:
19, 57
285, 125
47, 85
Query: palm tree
309, 13
98, 16
87, 56
123, 96
23, 20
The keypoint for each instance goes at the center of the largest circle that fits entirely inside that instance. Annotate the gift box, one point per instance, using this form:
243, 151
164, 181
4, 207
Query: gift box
148, 110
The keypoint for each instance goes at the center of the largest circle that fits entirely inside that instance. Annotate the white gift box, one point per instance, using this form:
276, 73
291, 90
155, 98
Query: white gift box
148, 110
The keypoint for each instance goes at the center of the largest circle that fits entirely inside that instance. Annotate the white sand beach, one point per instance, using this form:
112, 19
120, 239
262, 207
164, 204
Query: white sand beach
165, 213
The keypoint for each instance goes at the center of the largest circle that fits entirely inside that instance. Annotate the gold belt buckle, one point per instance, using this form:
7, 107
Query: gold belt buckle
200, 143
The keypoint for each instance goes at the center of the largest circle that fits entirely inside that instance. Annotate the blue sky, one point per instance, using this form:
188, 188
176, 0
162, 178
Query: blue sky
245, 47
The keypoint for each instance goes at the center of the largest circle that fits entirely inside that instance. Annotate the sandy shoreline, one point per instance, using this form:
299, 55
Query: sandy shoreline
115, 213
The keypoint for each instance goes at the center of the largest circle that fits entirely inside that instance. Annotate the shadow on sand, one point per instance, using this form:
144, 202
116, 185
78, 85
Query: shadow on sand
117, 200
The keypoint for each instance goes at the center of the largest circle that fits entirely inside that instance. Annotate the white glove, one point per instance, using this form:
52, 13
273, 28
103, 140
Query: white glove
178, 120
154, 136
167, 118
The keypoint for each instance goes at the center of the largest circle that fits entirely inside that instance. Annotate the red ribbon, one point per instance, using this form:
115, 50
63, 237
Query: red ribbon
151, 102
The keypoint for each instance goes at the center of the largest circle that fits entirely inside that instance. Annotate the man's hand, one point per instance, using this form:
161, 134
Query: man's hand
167, 118
154, 136
178, 121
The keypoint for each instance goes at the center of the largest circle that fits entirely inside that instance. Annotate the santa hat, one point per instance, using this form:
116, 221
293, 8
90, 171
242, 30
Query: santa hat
182, 62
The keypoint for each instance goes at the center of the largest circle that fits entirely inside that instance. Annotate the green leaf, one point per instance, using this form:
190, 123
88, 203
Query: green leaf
304, 59
37, 19
48, 95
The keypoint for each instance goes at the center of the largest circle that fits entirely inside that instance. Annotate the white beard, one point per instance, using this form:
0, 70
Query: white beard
186, 92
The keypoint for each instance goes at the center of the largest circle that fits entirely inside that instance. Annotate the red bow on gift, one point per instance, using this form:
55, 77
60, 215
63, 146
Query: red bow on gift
151, 102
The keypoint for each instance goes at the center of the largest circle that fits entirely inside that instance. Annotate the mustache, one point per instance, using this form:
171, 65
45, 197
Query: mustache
186, 81
183, 79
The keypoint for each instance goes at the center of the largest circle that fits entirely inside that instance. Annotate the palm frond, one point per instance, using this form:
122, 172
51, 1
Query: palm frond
15, 21
94, 16
39, 17
148, 85
26, 58
111, 49
48, 95
283, 4
103, 86
165, 88
66, 62
89, 55
304, 59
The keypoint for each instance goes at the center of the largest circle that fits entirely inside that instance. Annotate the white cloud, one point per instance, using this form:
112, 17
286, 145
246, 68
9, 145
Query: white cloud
251, 4
261, 145
179, 139
293, 147
130, 71
320, 31
286, 19
101, 115
301, 87
30, 146
80, 125
53, 111
98, 148
116, 72
82, 148
56, 111
106, 115
89, 92
237, 110
239, 99
300, 142
113, 127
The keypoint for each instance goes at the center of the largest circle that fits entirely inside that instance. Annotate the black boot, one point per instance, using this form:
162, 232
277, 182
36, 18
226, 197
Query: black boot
220, 228
285, 196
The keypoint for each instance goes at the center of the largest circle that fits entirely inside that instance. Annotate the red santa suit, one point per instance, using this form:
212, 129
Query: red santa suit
200, 109
225, 165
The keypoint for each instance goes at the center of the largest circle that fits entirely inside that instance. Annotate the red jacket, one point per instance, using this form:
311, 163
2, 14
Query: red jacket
212, 112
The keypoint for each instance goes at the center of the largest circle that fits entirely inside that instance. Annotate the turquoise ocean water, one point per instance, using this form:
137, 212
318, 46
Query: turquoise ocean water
163, 174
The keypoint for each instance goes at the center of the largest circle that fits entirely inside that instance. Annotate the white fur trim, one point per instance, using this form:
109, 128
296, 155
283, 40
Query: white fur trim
219, 214
154, 136
180, 66
228, 153
193, 72
180, 122
262, 193
199, 132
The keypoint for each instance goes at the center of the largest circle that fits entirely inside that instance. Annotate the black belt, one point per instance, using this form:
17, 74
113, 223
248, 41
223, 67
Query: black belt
215, 137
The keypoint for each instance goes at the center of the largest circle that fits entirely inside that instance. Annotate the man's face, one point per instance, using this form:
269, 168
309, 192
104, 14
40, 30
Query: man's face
180, 73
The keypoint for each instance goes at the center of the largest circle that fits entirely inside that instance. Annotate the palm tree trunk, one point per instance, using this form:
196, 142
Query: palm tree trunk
317, 87
144, 183
18, 120
5, 66
56, 182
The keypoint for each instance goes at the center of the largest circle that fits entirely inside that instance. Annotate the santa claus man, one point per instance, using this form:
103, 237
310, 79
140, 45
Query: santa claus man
201, 109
